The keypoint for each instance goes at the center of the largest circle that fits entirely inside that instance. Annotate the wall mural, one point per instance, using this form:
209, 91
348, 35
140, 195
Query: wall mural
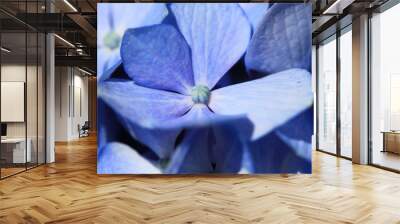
204, 88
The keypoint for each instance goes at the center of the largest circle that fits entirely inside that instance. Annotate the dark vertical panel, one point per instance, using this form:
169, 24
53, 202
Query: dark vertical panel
26, 87
37, 91
338, 81
46, 3
369, 96
45, 91
69, 92
317, 96
92, 102
60, 88
73, 91
1, 163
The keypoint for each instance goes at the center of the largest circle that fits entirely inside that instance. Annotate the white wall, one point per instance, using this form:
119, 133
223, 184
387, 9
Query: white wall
9, 73
71, 102
17, 73
80, 103
12, 73
33, 127
62, 81
13, 101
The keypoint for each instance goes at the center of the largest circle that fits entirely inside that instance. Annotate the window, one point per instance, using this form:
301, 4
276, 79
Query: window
327, 96
22, 77
385, 89
346, 92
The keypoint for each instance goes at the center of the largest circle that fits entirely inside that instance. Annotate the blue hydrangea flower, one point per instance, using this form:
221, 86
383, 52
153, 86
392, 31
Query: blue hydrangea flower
173, 71
114, 20
282, 40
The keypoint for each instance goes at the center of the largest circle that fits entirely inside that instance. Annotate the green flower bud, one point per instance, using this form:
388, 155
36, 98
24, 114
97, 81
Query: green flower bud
201, 94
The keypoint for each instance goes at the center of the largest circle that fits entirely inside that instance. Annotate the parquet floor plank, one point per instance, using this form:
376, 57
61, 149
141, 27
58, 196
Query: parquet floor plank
70, 191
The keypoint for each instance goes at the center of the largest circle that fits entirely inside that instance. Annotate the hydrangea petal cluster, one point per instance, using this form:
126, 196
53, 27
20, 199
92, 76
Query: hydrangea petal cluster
171, 102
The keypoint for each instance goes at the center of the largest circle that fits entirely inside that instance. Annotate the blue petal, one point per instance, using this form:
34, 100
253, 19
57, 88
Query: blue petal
107, 73
237, 74
103, 22
160, 141
270, 154
301, 148
227, 148
255, 12
158, 57
282, 41
118, 18
200, 116
287, 150
192, 156
108, 124
297, 133
215, 146
142, 111
146, 106
127, 15
268, 102
118, 158
218, 35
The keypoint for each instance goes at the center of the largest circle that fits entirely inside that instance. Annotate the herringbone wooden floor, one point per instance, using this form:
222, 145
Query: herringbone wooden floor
70, 191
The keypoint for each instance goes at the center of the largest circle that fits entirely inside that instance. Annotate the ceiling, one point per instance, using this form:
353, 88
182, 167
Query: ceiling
75, 21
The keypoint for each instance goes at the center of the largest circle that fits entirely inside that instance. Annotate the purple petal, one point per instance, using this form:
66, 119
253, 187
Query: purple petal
282, 41
217, 34
268, 102
118, 158
158, 57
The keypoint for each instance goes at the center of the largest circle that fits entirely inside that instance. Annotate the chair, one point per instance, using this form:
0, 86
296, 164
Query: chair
84, 130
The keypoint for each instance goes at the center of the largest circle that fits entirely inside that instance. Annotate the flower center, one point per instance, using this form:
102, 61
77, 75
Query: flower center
112, 40
201, 94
